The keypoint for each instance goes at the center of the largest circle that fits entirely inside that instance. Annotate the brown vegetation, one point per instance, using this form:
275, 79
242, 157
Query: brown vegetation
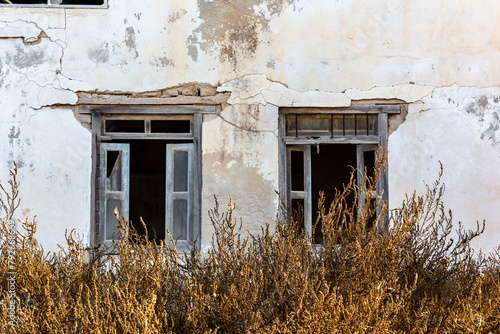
407, 276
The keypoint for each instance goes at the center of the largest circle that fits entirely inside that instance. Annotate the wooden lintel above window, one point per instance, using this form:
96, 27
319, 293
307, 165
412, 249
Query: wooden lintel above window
374, 108
147, 109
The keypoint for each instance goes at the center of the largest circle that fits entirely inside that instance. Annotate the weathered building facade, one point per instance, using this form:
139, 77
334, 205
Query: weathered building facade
154, 107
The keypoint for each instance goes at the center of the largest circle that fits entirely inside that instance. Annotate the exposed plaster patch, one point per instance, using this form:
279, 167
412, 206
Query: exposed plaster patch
26, 57
233, 26
271, 64
487, 109
130, 40
99, 54
406, 92
28, 31
190, 89
164, 61
253, 193
259, 89
395, 120
13, 134
176, 15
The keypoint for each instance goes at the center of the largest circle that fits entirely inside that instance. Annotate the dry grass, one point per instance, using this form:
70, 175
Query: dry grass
407, 278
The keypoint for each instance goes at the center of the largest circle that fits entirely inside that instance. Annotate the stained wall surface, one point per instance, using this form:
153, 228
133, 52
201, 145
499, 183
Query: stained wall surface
441, 58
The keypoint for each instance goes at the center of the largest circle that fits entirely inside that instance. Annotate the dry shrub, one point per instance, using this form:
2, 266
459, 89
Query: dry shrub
376, 272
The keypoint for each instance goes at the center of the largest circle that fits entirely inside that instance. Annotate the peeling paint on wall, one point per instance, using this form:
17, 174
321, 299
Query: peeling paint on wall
26, 57
130, 40
99, 54
234, 26
487, 109
249, 58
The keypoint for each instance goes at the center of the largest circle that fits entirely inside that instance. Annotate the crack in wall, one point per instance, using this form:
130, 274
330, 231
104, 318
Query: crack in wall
247, 129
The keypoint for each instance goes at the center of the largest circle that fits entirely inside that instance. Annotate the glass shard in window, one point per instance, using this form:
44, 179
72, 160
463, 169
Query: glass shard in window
111, 221
373, 125
313, 125
113, 171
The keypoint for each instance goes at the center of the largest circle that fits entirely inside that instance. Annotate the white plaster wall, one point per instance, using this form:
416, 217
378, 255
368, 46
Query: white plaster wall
459, 127
52, 152
240, 147
441, 57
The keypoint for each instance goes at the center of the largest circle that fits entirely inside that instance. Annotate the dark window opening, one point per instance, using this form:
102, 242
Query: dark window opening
147, 187
170, 126
297, 167
369, 158
124, 126
330, 170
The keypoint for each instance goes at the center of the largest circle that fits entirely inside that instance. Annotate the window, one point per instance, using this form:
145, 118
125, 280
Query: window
55, 3
147, 166
318, 147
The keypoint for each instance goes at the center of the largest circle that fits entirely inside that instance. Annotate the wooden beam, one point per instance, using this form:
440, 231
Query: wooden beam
147, 109
370, 109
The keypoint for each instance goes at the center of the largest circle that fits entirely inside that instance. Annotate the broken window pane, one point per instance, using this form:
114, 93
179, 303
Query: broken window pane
180, 219
369, 158
291, 125
337, 125
361, 125
113, 171
298, 214
331, 125
111, 220
373, 125
297, 170
349, 125
313, 125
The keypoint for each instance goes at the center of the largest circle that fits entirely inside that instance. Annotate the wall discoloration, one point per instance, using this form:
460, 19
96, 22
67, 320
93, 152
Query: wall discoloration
2, 74
130, 40
227, 175
487, 109
99, 54
176, 15
26, 57
234, 26
260, 55
164, 61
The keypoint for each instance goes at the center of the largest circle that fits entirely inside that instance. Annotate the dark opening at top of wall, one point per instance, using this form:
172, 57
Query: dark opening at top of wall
55, 2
